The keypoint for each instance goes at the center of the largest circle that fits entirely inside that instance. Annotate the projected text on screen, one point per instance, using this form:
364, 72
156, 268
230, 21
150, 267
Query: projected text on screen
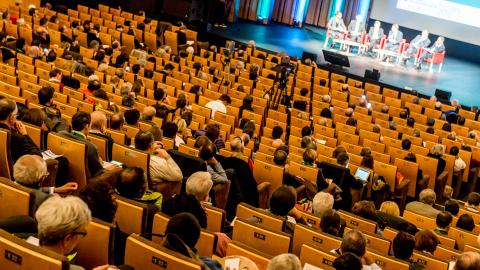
460, 11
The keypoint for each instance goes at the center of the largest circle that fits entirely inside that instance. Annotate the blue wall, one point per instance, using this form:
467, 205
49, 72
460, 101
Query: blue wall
455, 48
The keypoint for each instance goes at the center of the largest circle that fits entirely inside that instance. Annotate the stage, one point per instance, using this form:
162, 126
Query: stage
460, 77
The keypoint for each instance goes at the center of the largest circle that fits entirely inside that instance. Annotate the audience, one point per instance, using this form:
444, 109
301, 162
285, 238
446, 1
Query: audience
331, 223
425, 204
132, 184
284, 261
403, 246
355, 242
443, 221
426, 241
465, 222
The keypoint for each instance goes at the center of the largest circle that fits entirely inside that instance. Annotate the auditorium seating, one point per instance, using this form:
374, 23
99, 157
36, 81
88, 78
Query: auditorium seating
21, 80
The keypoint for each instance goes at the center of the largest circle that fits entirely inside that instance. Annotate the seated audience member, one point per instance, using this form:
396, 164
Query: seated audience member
301, 104
131, 117
443, 221
20, 143
406, 144
425, 204
321, 203
182, 131
199, 185
282, 204
182, 234
54, 122
219, 104
62, 223
207, 153
437, 152
165, 174
147, 116
366, 209
465, 222
247, 184
355, 242
81, 123
284, 261
116, 121
277, 133
403, 246
473, 202
99, 128
347, 261
100, 198
459, 164
331, 223
468, 261
452, 207
132, 184
389, 214
426, 241
30, 171
212, 131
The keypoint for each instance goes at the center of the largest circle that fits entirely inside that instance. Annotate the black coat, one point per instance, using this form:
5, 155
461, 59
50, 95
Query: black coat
21, 144
246, 181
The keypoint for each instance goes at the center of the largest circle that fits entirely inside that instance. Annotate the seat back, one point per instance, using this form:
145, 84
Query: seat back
306, 172
101, 144
6, 162
419, 220
272, 222
357, 222
259, 258
215, 218
410, 171
131, 216
430, 262
76, 153
463, 237
317, 257
306, 235
15, 199
101, 236
18, 254
131, 157
387, 262
259, 237
446, 253
266, 172
141, 253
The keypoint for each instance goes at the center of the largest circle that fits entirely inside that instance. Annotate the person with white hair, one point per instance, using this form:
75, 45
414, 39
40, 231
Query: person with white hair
321, 203
190, 50
285, 261
30, 171
468, 261
199, 185
425, 204
62, 223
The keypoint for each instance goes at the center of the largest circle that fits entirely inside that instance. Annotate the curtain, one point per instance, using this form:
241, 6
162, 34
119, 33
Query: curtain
350, 11
317, 13
283, 11
248, 10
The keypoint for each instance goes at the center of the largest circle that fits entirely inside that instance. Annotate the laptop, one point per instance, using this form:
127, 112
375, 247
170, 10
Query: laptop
362, 174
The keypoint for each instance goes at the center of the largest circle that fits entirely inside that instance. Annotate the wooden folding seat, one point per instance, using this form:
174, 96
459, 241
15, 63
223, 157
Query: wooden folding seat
471, 248
259, 237
387, 262
348, 137
375, 242
410, 171
6, 162
16, 199
141, 253
430, 262
101, 144
374, 145
7, 70
317, 257
314, 237
387, 171
357, 222
36, 134
370, 87
131, 157
306, 172
215, 218
269, 221
463, 237
446, 253
101, 236
76, 153
261, 259
131, 216
419, 220
352, 148
18, 254
392, 101
183, 148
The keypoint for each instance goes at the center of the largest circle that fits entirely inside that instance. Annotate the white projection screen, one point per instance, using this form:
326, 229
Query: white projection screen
455, 19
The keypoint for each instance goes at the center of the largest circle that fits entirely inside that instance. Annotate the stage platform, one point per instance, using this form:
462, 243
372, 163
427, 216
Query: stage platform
460, 77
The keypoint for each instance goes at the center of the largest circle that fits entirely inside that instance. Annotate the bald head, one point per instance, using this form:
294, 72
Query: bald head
236, 145
99, 121
116, 121
29, 170
468, 261
148, 113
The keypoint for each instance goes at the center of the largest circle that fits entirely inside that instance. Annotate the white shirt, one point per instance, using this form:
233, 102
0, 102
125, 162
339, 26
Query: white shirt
357, 27
164, 170
459, 165
216, 105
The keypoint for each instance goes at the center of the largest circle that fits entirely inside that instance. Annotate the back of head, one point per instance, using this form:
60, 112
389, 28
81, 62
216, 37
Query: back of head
355, 242
116, 121
45, 95
280, 157
426, 240
330, 222
199, 185
365, 209
7, 107
468, 261
403, 246
131, 183
391, 208
132, 116
212, 132
143, 140
321, 203
452, 207
59, 216
80, 120
208, 151
283, 200
286, 261
185, 203
473, 199
406, 144
427, 196
186, 227
201, 141
347, 261
443, 220
99, 120
343, 158
30, 170
99, 196
466, 222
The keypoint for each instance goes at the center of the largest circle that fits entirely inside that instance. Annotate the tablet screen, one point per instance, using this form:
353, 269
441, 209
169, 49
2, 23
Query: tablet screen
362, 174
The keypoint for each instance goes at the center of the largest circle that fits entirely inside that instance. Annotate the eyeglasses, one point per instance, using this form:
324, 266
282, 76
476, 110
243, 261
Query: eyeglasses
83, 234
